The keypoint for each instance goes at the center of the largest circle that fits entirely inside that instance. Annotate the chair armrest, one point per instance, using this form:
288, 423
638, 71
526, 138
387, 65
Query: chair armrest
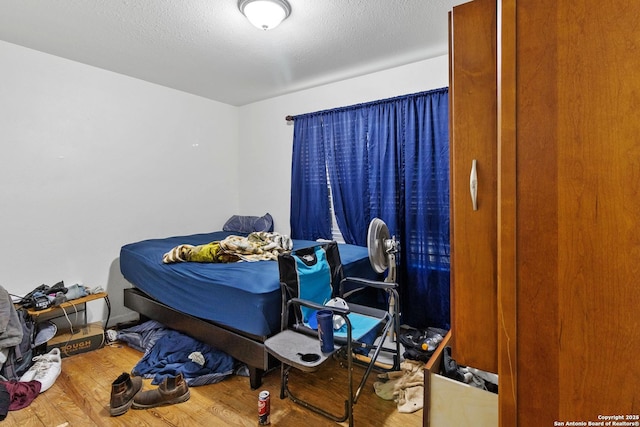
367, 282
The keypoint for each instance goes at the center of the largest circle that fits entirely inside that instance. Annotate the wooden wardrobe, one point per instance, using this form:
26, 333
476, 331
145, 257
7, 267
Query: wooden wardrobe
473, 147
545, 96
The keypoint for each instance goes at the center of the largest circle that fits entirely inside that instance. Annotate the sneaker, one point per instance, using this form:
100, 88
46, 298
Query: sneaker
112, 335
45, 370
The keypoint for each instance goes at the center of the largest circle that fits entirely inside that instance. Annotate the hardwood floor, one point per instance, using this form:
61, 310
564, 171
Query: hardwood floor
80, 397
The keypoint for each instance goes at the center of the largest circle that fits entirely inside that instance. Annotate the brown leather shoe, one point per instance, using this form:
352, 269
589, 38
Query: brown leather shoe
172, 390
123, 390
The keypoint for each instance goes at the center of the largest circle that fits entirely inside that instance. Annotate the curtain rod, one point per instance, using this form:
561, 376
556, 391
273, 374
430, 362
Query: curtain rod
290, 118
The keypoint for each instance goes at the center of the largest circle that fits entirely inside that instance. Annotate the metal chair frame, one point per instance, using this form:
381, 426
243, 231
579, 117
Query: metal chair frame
298, 333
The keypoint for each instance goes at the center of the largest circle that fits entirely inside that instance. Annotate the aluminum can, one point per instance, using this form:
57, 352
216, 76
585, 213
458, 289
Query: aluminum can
264, 408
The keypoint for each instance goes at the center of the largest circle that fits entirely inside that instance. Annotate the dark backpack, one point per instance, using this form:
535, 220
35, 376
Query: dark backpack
19, 356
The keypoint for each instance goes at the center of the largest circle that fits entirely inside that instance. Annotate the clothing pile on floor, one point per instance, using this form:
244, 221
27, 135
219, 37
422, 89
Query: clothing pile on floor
18, 394
174, 361
405, 387
21, 384
168, 353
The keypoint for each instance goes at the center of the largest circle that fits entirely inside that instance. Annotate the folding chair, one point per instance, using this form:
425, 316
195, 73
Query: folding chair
308, 280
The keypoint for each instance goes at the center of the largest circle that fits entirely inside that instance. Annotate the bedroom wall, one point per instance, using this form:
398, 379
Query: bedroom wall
266, 138
91, 160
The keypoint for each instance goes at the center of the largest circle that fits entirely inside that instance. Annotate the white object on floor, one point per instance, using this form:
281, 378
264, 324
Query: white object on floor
112, 335
45, 370
406, 386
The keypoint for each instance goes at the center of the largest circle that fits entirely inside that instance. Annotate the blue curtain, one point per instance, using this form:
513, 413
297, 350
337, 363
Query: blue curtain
310, 211
387, 159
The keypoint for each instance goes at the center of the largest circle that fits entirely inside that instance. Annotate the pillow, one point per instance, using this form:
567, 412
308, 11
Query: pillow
264, 223
247, 224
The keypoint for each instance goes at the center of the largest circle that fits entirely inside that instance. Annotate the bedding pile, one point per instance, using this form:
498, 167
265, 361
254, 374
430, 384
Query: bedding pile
257, 246
168, 353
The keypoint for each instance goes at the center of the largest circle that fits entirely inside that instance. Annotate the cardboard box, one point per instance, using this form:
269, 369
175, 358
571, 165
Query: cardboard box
84, 339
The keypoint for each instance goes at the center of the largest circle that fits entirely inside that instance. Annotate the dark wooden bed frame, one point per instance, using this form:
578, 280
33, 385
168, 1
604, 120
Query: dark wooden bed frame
244, 347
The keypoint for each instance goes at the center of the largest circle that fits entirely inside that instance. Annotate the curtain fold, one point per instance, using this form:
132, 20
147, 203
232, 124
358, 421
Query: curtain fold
387, 159
310, 216
347, 163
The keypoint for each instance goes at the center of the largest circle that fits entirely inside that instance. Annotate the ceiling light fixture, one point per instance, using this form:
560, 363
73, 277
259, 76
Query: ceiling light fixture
265, 14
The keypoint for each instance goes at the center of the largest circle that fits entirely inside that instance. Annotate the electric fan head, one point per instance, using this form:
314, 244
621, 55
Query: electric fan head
382, 248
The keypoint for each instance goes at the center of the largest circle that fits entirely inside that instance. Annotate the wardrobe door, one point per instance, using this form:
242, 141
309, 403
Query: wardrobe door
473, 144
578, 211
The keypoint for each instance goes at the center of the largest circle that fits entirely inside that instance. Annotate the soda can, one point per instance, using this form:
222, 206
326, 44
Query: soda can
264, 408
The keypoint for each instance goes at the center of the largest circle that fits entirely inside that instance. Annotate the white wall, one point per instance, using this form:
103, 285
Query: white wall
266, 137
91, 160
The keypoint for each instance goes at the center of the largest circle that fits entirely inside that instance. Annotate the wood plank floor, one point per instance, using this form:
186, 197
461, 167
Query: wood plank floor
80, 397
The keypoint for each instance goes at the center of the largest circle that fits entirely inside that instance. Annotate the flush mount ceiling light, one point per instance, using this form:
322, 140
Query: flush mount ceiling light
265, 14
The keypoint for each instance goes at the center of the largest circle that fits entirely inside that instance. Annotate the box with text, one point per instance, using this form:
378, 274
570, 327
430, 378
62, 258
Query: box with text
82, 340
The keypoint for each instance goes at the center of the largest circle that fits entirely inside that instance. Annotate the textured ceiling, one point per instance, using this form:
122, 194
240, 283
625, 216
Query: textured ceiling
208, 48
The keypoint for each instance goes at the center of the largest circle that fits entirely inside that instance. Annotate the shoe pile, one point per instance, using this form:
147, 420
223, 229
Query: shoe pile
45, 370
126, 393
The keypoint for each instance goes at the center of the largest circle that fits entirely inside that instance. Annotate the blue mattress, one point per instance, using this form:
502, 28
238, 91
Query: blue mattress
244, 296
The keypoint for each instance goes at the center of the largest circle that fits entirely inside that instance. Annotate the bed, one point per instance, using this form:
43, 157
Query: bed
232, 306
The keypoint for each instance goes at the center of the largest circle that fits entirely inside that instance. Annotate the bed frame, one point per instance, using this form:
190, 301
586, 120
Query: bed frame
244, 347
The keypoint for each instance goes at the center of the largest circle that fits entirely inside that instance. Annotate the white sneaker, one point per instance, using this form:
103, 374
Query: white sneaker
45, 370
112, 335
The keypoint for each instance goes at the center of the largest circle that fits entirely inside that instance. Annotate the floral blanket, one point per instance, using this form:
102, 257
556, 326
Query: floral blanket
257, 246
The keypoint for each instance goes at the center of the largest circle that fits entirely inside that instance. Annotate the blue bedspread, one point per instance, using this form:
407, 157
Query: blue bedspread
244, 296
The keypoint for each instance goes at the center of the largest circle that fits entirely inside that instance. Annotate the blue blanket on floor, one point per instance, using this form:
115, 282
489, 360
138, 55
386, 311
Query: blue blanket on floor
174, 353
